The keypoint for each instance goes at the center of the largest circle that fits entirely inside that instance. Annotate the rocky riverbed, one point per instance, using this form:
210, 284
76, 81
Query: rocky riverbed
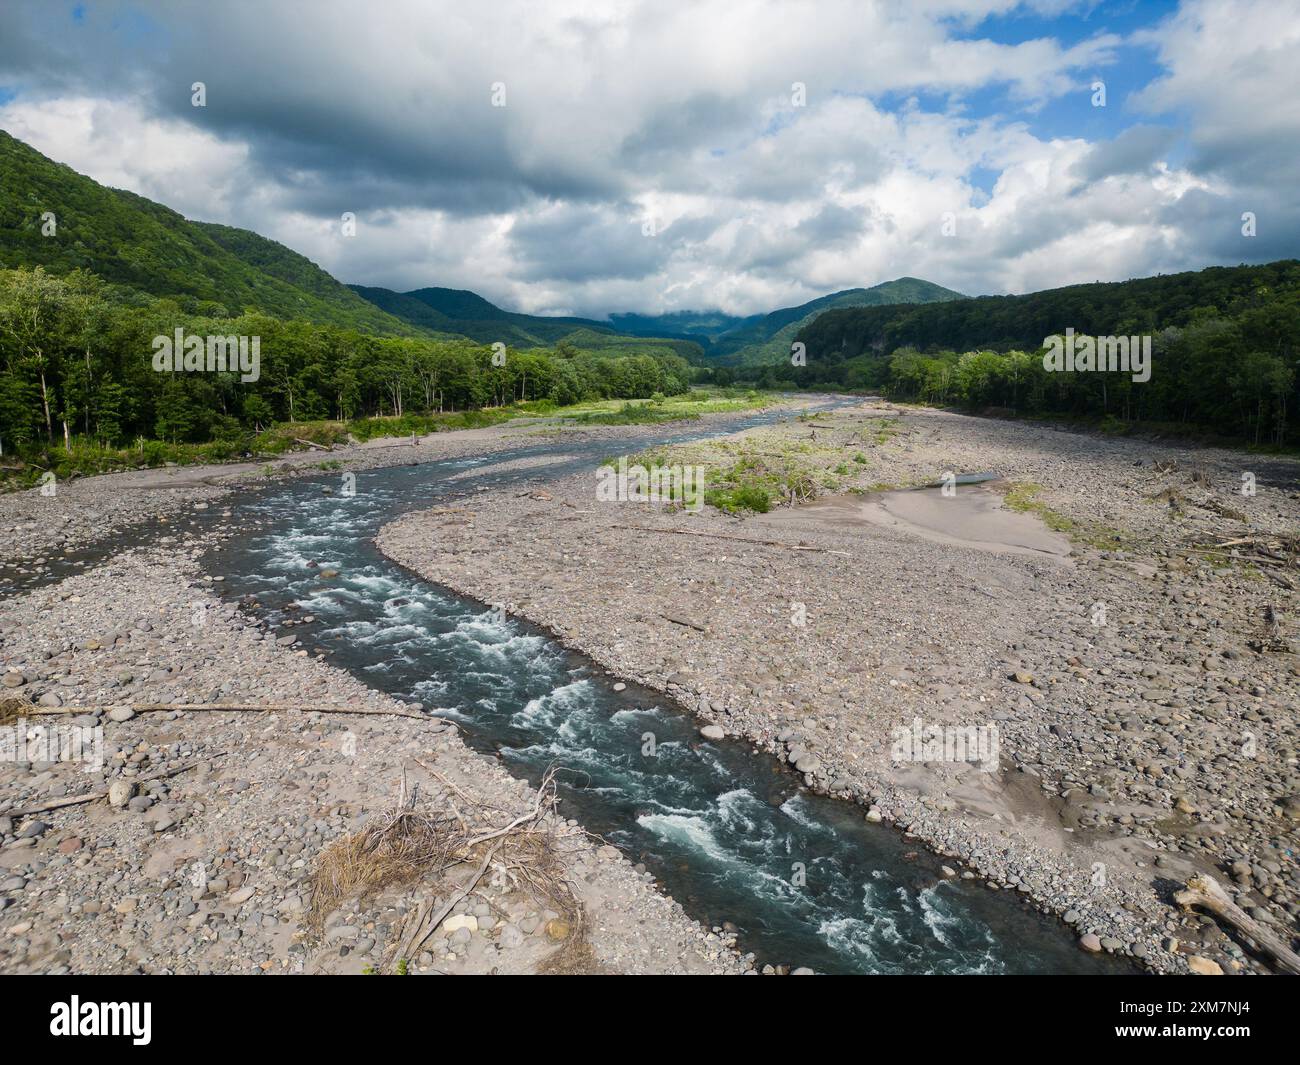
198, 853
36, 527
1142, 687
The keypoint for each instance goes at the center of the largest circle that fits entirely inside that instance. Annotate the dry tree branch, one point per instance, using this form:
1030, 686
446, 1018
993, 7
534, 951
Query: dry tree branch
229, 708
90, 796
1204, 891
406, 845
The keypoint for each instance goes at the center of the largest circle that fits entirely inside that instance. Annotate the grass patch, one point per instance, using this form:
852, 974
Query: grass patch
764, 469
687, 407
755, 497
447, 854
372, 428
1023, 496
637, 414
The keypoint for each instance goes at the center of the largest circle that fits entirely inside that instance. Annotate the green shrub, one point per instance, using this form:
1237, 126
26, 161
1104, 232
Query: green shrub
742, 497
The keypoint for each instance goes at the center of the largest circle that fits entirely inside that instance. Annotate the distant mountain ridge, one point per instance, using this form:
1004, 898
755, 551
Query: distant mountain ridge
699, 325
212, 269
769, 339
726, 339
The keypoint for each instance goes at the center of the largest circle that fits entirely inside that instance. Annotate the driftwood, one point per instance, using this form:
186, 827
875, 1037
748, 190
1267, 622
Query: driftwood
1253, 559
683, 622
1256, 551
423, 922
229, 708
424, 925
313, 444
1277, 578
1205, 892
91, 796
740, 539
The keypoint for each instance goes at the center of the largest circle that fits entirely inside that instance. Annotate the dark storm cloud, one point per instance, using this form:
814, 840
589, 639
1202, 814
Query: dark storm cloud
832, 225
324, 120
619, 113
1214, 222
1134, 151
574, 244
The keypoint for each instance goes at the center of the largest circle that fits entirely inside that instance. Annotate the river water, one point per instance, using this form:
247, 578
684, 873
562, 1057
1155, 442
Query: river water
730, 833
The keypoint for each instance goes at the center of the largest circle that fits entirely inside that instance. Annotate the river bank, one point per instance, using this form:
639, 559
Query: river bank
211, 869
36, 527
1140, 743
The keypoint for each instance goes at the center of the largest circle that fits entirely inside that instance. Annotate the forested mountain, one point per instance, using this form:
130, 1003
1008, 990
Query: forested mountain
1142, 305
724, 340
767, 338
93, 279
469, 314
1225, 346
53, 217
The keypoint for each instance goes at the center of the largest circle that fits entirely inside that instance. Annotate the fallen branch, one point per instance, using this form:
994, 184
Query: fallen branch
516, 842
1252, 559
313, 444
1277, 578
90, 796
231, 708
684, 622
1204, 891
424, 928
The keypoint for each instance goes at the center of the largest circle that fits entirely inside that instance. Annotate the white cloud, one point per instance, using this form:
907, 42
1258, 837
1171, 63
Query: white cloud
120, 145
680, 112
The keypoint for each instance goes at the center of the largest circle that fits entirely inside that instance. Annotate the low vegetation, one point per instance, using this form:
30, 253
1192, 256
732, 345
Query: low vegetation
763, 469
1023, 496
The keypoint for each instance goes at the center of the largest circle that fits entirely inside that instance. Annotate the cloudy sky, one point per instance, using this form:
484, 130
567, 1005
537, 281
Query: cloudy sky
657, 156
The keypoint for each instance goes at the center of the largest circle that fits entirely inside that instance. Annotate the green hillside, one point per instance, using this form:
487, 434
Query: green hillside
470, 315
704, 326
767, 339
1141, 305
1218, 347
136, 243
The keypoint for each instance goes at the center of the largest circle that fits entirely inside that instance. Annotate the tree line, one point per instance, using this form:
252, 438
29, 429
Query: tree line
76, 363
1225, 351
